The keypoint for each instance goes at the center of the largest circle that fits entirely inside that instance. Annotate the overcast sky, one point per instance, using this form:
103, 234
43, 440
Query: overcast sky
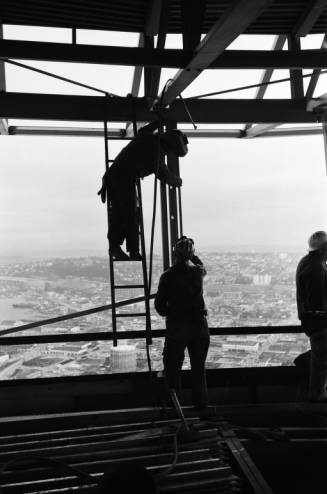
265, 193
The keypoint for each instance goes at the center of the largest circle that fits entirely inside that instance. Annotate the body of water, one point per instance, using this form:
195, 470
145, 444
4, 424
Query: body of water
10, 313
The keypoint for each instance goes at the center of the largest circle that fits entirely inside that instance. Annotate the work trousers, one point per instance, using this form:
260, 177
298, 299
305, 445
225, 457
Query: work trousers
124, 222
195, 337
318, 367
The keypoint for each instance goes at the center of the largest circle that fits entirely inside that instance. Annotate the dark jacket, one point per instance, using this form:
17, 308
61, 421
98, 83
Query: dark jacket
138, 159
141, 157
311, 286
180, 292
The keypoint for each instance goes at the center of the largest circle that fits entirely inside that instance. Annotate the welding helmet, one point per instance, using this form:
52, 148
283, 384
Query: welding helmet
176, 141
184, 249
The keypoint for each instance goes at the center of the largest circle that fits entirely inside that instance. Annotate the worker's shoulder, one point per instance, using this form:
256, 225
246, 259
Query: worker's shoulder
310, 265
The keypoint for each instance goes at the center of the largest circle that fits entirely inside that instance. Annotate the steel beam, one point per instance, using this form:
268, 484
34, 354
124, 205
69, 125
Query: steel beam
153, 18
292, 131
278, 45
260, 129
149, 45
309, 17
174, 220
64, 131
3, 121
193, 12
137, 76
161, 41
230, 25
297, 90
160, 56
91, 108
164, 226
324, 132
136, 84
112, 133
138, 334
316, 73
199, 133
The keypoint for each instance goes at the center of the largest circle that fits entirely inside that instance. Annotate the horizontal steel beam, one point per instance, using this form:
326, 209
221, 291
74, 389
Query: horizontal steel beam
140, 334
198, 133
292, 131
31, 130
93, 108
113, 133
156, 57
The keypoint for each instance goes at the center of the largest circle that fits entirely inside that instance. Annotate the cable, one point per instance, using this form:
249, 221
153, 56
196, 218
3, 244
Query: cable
158, 402
173, 464
55, 76
155, 192
251, 86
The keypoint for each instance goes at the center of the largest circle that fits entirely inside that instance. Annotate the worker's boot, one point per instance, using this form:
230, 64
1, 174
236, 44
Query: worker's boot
118, 254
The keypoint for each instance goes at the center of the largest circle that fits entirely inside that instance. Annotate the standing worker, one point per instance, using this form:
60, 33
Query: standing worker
311, 291
180, 299
145, 154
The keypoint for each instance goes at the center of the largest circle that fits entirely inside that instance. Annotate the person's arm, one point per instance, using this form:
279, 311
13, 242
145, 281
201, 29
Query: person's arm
150, 127
197, 262
103, 191
168, 177
160, 301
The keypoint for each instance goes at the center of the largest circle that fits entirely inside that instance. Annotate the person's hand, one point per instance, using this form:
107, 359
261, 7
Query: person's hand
179, 182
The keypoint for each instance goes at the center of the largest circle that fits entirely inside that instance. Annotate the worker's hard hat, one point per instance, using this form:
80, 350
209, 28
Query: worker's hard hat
184, 248
317, 240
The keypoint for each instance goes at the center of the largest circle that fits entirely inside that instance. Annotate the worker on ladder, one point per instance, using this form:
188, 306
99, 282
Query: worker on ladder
145, 154
180, 299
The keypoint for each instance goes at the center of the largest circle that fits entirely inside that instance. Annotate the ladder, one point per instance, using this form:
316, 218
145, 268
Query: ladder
112, 262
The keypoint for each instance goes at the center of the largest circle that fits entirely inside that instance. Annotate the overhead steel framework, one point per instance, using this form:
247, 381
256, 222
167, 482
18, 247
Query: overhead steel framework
207, 27
218, 23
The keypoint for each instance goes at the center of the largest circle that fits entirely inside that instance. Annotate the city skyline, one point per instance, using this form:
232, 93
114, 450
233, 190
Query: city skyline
240, 289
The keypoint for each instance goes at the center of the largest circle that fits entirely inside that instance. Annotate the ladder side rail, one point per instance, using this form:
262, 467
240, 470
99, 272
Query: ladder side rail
111, 262
144, 266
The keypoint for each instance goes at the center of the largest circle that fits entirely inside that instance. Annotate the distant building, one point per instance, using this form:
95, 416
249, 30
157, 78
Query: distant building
123, 358
261, 279
248, 346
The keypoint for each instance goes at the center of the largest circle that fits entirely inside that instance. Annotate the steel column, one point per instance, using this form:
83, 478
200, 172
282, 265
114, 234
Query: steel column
175, 218
297, 90
3, 121
324, 131
164, 226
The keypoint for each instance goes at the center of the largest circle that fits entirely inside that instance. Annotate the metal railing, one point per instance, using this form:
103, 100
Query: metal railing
122, 335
